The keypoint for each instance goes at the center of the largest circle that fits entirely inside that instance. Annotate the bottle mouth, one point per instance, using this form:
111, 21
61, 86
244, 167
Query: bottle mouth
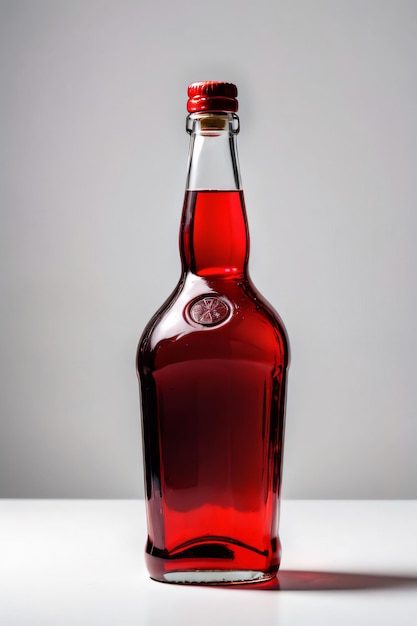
212, 123
212, 96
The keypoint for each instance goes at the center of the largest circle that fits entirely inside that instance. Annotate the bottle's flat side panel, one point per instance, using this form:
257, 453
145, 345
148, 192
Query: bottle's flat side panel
219, 455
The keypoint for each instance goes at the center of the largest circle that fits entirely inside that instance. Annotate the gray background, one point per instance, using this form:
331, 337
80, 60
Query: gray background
93, 159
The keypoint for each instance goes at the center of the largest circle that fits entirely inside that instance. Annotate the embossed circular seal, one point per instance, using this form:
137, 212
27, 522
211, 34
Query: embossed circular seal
209, 310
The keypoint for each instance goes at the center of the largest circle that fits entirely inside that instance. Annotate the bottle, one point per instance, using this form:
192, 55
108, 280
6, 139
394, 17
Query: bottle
212, 365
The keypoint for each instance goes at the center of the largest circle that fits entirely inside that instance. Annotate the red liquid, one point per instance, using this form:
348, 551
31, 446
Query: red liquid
213, 403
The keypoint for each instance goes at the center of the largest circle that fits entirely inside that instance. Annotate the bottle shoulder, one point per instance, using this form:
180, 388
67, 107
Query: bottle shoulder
214, 319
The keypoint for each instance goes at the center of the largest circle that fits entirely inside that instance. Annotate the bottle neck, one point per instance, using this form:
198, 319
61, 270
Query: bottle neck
213, 161
214, 238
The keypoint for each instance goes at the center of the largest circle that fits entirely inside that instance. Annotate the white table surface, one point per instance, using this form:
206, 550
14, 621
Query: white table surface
80, 562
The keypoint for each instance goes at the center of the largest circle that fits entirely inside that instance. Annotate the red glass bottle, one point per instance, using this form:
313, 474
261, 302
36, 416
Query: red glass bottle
212, 365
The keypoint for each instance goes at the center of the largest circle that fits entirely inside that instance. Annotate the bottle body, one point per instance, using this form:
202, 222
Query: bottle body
212, 365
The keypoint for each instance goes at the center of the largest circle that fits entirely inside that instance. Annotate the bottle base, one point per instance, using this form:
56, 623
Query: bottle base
213, 561
215, 577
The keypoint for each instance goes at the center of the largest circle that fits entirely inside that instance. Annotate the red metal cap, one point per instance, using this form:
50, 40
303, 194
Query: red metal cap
212, 95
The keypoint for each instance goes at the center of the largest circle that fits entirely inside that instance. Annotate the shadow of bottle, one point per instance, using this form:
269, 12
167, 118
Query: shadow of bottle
292, 580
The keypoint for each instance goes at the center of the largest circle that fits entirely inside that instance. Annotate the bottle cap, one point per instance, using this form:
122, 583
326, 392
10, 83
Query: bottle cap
213, 96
